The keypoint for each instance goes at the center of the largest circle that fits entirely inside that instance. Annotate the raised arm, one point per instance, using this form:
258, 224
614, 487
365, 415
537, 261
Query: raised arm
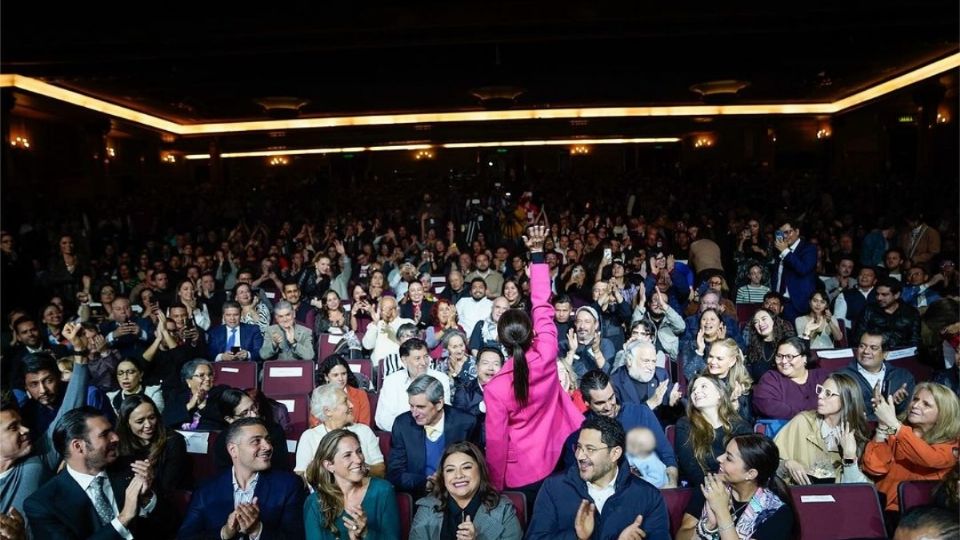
545, 332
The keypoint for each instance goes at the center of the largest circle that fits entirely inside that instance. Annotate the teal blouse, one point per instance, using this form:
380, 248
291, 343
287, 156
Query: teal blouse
379, 504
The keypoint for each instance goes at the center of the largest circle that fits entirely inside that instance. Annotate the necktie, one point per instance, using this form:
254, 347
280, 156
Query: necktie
433, 433
232, 342
100, 503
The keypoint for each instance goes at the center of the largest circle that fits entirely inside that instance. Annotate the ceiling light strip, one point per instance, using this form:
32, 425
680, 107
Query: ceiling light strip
81, 100
408, 147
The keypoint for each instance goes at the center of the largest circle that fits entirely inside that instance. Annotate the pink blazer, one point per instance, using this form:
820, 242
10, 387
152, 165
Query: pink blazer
524, 444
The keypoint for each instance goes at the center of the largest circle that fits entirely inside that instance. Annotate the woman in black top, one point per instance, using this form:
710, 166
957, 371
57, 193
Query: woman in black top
143, 437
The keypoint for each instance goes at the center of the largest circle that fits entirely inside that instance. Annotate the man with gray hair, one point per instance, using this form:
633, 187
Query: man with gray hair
286, 340
381, 336
331, 406
639, 380
420, 436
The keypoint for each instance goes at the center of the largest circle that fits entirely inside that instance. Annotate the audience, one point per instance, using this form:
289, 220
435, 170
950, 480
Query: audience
171, 301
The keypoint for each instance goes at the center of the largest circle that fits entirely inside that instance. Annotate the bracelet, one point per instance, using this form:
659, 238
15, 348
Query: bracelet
726, 527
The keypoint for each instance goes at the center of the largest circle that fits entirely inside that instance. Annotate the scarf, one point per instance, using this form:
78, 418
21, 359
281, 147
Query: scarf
760, 507
454, 516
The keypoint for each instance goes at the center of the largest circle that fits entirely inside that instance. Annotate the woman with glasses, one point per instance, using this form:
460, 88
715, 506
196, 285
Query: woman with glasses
130, 378
790, 389
463, 504
764, 332
186, 406
922, 445
825, 444
143, 437
347, 503
231, 405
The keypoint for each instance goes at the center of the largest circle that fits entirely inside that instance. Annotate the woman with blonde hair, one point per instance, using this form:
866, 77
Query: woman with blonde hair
725, 361
921, 445
826, 443
347, 503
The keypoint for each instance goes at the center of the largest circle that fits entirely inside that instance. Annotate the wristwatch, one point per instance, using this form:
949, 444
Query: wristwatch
849, 461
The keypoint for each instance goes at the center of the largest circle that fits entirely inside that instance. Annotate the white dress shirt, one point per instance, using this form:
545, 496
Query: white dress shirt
470, 311
86, 484
393, 396
783, 254
601, 494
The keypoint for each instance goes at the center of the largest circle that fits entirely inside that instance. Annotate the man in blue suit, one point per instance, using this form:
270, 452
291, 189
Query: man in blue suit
795, 274
420, 436
223, 339
249, 500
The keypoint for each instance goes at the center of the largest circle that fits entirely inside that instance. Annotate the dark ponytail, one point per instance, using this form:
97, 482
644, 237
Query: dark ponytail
514, 330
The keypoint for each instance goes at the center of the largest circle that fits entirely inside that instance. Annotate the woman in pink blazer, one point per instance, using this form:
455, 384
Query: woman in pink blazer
529, 415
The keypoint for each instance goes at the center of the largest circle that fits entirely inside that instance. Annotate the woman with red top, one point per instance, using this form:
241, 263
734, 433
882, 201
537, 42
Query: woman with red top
922, 446
529, 415
444, 317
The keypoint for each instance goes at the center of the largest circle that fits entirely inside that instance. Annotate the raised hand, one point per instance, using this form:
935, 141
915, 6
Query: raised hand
536, 235
675, 394
900, 395
633, 530
572, 339
585, 520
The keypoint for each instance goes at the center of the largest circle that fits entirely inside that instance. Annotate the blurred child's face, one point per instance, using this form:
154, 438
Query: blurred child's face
65, 375
640, 442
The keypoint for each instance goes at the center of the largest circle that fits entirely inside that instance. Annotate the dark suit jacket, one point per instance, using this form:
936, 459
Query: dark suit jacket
408, 452
250, 340
280, 496
61, 510
130, 346
799, 275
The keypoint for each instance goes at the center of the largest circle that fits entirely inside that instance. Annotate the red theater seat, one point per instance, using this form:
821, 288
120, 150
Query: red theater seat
240, 375
405, 509
913, 493
677, 500
519, 501
837, 511
288, 378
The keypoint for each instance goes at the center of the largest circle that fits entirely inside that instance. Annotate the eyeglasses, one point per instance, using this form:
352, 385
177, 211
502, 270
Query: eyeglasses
130, 372
821, 391
203, 376
787, 357
588, 450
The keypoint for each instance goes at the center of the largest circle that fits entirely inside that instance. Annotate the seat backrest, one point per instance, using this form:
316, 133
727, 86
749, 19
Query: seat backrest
519, 501
288, 377
677, 500
298, 409
235, 374
837, 511
374, 398
327, 344
180, 499
364, 366
913, 493
405, 509
671, 433
832, 359
200, 453
746, 311
384, 440
906, 358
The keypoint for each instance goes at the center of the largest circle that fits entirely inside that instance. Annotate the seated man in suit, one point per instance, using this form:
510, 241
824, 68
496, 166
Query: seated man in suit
250, 499
469, 398
286, 340
128, 334
234, 340
88, 499
420, 436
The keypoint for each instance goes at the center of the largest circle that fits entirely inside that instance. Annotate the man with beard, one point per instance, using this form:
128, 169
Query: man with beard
476, 307
602, 400
25, 465
586, 349
668, 323
90, 499
640, 381
45, 398
491, 277
600, 483
898, 323
249, 499
26, 332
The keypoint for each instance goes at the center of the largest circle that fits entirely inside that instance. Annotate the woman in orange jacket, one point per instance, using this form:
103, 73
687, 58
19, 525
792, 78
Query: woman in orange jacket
922, 446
